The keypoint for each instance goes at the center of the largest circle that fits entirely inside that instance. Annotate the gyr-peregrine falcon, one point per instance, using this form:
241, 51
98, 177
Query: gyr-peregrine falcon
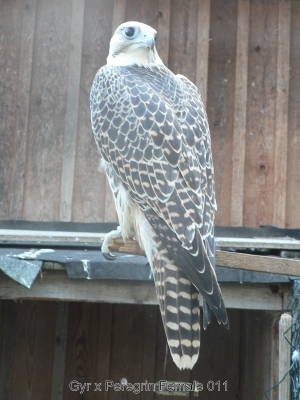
151, 130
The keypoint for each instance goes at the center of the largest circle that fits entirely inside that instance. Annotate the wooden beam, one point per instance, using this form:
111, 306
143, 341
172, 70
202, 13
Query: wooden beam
285, 324
240, 112
266, 243
203, 48
229, 259
90, 237
56, 285
248, 262
282, 101
67, 178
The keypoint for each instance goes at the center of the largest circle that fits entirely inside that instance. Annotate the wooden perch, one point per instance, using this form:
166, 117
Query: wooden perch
249, 262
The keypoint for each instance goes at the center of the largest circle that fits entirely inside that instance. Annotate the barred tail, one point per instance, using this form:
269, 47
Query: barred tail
179, 304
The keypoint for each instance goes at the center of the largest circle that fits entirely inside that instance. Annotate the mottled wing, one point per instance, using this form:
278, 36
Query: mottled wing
151, 127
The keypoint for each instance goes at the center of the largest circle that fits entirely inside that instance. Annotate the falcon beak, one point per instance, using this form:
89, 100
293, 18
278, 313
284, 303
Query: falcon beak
149, 42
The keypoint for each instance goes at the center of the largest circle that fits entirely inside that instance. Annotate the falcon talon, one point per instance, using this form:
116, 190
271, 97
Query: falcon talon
151, 130
109, 256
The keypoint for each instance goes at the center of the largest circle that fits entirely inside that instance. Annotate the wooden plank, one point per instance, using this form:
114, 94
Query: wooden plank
258, 367
34, 342
239, 243
213, 362
293, 181
7, 347
149, 349
261, 114
89, 194
284, 362
220, 99
281, 132
126, 347
104, 346
49, 236
59, 358
273, 265
143, 11
240, 112
267, 243
118, 14
22, 110
82, 345
163, 30
118, 244
57, 286
183, 38
202, 48
10, 22
71, 125
249, 262
110, 214
47, 111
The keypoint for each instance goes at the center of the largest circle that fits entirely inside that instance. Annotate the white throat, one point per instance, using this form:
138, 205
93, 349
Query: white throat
141, 57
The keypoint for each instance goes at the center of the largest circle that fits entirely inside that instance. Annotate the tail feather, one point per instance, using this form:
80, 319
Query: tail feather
179, 305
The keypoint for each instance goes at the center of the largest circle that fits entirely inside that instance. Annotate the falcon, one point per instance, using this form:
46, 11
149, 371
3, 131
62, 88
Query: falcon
152, 133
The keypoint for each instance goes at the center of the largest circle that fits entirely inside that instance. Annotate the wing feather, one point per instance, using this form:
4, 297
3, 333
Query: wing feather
154, 132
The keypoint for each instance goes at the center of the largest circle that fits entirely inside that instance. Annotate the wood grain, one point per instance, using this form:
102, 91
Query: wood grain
213, 364
220, 99
143, 11
47, 111
261, 114
163, 30
293, 165
118, 14
90, 184
57, 286
34, 345
10, 52
126, 347
202, 48
183, 38
71, 125
82, 345
284, 360
240, 112
149, 348
104, 346
281, 131
8, 326
60, 345
275, 265
21, 111
263, 354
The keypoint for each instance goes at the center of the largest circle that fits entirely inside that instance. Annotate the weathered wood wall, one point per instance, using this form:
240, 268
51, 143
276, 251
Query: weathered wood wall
46, 345
243, 54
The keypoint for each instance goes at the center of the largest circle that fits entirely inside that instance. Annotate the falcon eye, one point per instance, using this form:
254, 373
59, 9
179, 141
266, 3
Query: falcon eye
129, 32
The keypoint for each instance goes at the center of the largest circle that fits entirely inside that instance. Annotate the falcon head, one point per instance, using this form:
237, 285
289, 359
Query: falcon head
133, 43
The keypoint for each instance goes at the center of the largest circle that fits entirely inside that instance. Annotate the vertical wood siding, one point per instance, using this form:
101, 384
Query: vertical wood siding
244, 56
46, 345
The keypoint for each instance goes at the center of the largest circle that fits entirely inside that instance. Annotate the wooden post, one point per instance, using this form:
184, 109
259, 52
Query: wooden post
284, 356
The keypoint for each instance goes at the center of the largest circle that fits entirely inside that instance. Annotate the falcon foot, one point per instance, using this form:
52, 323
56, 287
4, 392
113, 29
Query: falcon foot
111, 235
